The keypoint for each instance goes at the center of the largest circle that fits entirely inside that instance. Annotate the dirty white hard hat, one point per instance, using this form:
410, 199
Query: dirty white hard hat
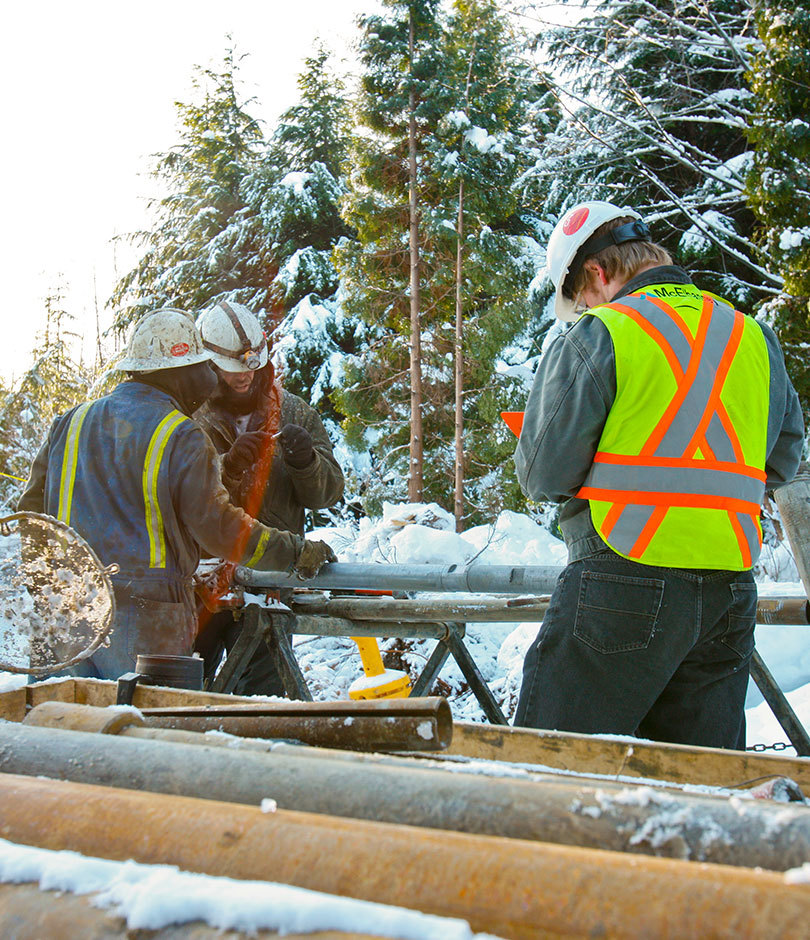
163, 339
234, 336
571, 234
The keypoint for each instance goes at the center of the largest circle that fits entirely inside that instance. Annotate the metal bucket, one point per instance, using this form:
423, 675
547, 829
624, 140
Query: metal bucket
180, 672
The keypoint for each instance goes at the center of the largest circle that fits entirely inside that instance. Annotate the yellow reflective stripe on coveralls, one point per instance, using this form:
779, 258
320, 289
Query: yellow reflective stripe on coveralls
151, 469
264, 538
69, 460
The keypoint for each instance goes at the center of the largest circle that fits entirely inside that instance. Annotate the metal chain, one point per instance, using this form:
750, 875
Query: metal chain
779, 746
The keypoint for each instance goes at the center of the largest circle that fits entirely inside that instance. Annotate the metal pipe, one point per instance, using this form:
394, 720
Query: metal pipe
73, 717
389, 616
392, 725
793, 501
608, 816
516, 889
489, 579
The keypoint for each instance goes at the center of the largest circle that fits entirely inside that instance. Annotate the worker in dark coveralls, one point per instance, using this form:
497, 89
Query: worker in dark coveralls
659, 418
140, 481
277, 458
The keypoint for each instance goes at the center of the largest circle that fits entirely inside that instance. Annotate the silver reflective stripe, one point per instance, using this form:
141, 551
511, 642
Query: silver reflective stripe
751, 533
629, 526
719, 441
630, 479
686, 419
664, 323
70, 459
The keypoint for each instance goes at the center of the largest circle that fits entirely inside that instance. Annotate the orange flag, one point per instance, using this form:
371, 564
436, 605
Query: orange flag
514, 421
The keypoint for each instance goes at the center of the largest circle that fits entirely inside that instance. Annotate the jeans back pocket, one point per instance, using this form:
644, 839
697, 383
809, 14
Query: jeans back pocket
617, 613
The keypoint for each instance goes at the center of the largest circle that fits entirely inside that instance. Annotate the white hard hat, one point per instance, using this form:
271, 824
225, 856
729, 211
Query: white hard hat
163, 339
234, 336
572, 232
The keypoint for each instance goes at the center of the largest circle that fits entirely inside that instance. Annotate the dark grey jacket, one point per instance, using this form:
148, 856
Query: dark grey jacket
573, 391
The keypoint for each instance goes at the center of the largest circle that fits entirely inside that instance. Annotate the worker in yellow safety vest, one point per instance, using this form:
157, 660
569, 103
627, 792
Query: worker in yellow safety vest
659, 418
140, 481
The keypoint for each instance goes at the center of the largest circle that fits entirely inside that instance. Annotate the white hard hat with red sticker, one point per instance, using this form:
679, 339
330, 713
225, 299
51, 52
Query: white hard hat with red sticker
569, 235
163, 339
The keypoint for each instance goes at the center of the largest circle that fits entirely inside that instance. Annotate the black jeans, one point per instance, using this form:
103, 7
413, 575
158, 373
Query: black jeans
626, 648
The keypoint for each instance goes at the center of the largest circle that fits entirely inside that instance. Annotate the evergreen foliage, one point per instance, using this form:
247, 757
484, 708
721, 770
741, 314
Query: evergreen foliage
190, 258
658, 122
52, 385
779, 183
471, 96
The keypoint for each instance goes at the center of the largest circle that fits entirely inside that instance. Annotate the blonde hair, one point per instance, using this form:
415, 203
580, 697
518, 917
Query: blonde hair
621, 261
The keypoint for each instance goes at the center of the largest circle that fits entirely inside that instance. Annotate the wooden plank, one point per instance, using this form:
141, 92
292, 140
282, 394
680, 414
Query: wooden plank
62, 691
13, 704
102, 693
583, 753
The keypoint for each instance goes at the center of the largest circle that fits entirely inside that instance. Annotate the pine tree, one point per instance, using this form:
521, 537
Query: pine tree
779, 183
658, 123
190, 257
52, 385
402, 98
292, 221
479, 157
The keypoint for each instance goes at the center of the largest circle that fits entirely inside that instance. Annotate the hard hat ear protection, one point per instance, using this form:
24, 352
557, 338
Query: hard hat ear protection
248, 355
634, 231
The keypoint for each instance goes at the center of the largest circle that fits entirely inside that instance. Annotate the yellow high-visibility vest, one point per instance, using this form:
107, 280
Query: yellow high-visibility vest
679, 475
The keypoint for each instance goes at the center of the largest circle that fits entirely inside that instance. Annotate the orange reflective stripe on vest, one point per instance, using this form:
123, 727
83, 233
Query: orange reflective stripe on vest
666, 472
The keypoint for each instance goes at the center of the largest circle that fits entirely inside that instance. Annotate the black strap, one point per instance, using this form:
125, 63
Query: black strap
635, 231
241, 334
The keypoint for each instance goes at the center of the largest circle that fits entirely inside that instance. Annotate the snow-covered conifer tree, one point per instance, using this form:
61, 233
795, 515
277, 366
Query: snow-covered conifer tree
658, 104
779, 184
190, 257
384, 272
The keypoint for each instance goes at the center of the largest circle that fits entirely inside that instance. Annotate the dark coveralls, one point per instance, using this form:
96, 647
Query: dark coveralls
626, 647
146, 494
289, 491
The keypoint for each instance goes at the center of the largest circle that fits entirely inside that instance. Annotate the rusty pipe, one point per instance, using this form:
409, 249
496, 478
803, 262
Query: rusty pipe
621, 818
395, 725
510, 887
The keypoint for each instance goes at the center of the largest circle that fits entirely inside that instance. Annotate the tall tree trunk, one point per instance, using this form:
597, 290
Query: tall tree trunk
458, 506
416, 470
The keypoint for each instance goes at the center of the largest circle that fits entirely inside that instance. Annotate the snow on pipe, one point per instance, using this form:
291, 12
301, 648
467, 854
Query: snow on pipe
509, 887
489, 579
619, 817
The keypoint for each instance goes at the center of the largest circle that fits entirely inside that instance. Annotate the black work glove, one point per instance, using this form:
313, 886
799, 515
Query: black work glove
296, 445
245, 451
312, 558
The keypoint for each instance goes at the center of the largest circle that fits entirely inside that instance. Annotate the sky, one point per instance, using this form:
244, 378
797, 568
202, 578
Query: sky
88, 95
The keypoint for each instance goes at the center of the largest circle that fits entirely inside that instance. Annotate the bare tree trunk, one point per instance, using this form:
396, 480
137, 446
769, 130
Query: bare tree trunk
416, 469
458, 507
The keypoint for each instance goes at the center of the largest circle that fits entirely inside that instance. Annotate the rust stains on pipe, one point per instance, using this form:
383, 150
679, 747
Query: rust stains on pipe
611, 816
509, 887
403, 725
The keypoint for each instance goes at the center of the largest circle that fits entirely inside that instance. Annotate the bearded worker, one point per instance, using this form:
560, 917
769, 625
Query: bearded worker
277, 459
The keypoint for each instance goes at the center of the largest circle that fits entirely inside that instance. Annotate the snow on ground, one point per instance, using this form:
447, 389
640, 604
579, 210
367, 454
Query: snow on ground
151, 897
